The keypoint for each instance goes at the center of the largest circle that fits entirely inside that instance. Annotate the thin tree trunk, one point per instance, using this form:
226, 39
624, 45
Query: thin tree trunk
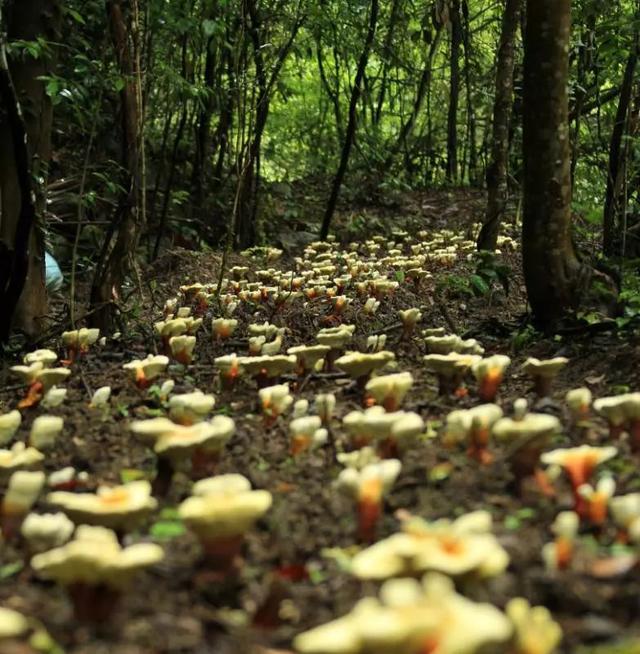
616, 165
454, 93
497, 183
352, 120
117, 257
387, 51
471, 115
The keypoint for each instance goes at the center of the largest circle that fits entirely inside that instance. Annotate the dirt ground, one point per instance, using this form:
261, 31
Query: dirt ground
286, 584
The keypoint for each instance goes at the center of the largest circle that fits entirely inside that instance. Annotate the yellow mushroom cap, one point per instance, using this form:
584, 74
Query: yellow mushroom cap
565, 456
359, 364
396, 385
23, 491
545, 368
493, 365
44, 531
309, 355
210, 436
336, 337
46, 357
45, 430
152, 366
19, 457
224, 506
95, 557
625, 509
450, 365
193, 406
114, 507
271, 366
443, 344
9, 424
534, 628
12, 624
28, 373
531, 425
51, 376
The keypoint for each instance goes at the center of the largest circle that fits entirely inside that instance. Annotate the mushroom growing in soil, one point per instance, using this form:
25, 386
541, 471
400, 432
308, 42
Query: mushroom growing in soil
306, 432
9, 424
369, 485
22, 493
473, 426
411, 618
325, 405
182, 348
145, 370
268, 369
489, 372
596, 500
450, 369
336, 338
526, 435
189, 408
38, 380
78, 341
122, 508
625, 511
274, 400
230, 368
579, 402
223, 328
220, 512
95, 570
461, 548
19, 457
579, 463
45, 531
308, 356
410, 318
44, 431
543, 373
201, 444
534, 629
360, 365
389, 390
559, 554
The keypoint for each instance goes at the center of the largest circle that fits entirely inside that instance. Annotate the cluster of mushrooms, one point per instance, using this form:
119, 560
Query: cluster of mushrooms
89, 537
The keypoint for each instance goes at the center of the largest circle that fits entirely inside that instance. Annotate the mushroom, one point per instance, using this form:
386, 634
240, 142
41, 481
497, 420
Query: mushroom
19, 457
464, 547
189, 408
44, 431
489, 372
369, 485
306, 432
579, 463
78, 341
559, 554
543, 373
614, 411
376, 343
534, 629
9, 424
360, 365
46, 531
308, 356
390, 390
450, 369
325, 404
220, 512
22, 493
54, 397
579, 402
275, 400
442, 344
13, 626
410, 318
266, 369
39, 380
230, 368
95, 569
201, 443
625, 511
336, 338
144, 370
596, 500
473, 426
182, 348
100, 399
121, 508
46, 357
223, 328
526, 437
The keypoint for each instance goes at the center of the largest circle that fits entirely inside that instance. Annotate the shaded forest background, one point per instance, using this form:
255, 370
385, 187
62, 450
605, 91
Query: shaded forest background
229, 123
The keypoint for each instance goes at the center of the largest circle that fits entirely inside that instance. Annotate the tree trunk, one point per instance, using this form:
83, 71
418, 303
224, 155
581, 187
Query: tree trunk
615, 172
471, 114
352, 120
497, 184
554, 277
454, 93
25, 148
117, 257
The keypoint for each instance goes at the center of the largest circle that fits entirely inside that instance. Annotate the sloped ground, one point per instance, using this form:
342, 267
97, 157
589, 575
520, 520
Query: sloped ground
287, 584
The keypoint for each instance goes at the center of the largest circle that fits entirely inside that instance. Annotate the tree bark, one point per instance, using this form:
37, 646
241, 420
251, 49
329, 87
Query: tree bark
117, 256
554, 277
25, 147
497, 184
352, 120
454, 93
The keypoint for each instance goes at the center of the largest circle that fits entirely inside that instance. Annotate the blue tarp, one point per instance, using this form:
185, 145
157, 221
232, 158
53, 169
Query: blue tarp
53, 274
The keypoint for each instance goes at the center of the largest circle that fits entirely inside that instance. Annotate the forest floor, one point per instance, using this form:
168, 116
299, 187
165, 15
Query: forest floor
288, 583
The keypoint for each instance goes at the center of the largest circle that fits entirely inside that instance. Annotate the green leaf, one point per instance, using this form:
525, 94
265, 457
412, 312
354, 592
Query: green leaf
131, 474
400, 276
167, 530
479, 285
10, 569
